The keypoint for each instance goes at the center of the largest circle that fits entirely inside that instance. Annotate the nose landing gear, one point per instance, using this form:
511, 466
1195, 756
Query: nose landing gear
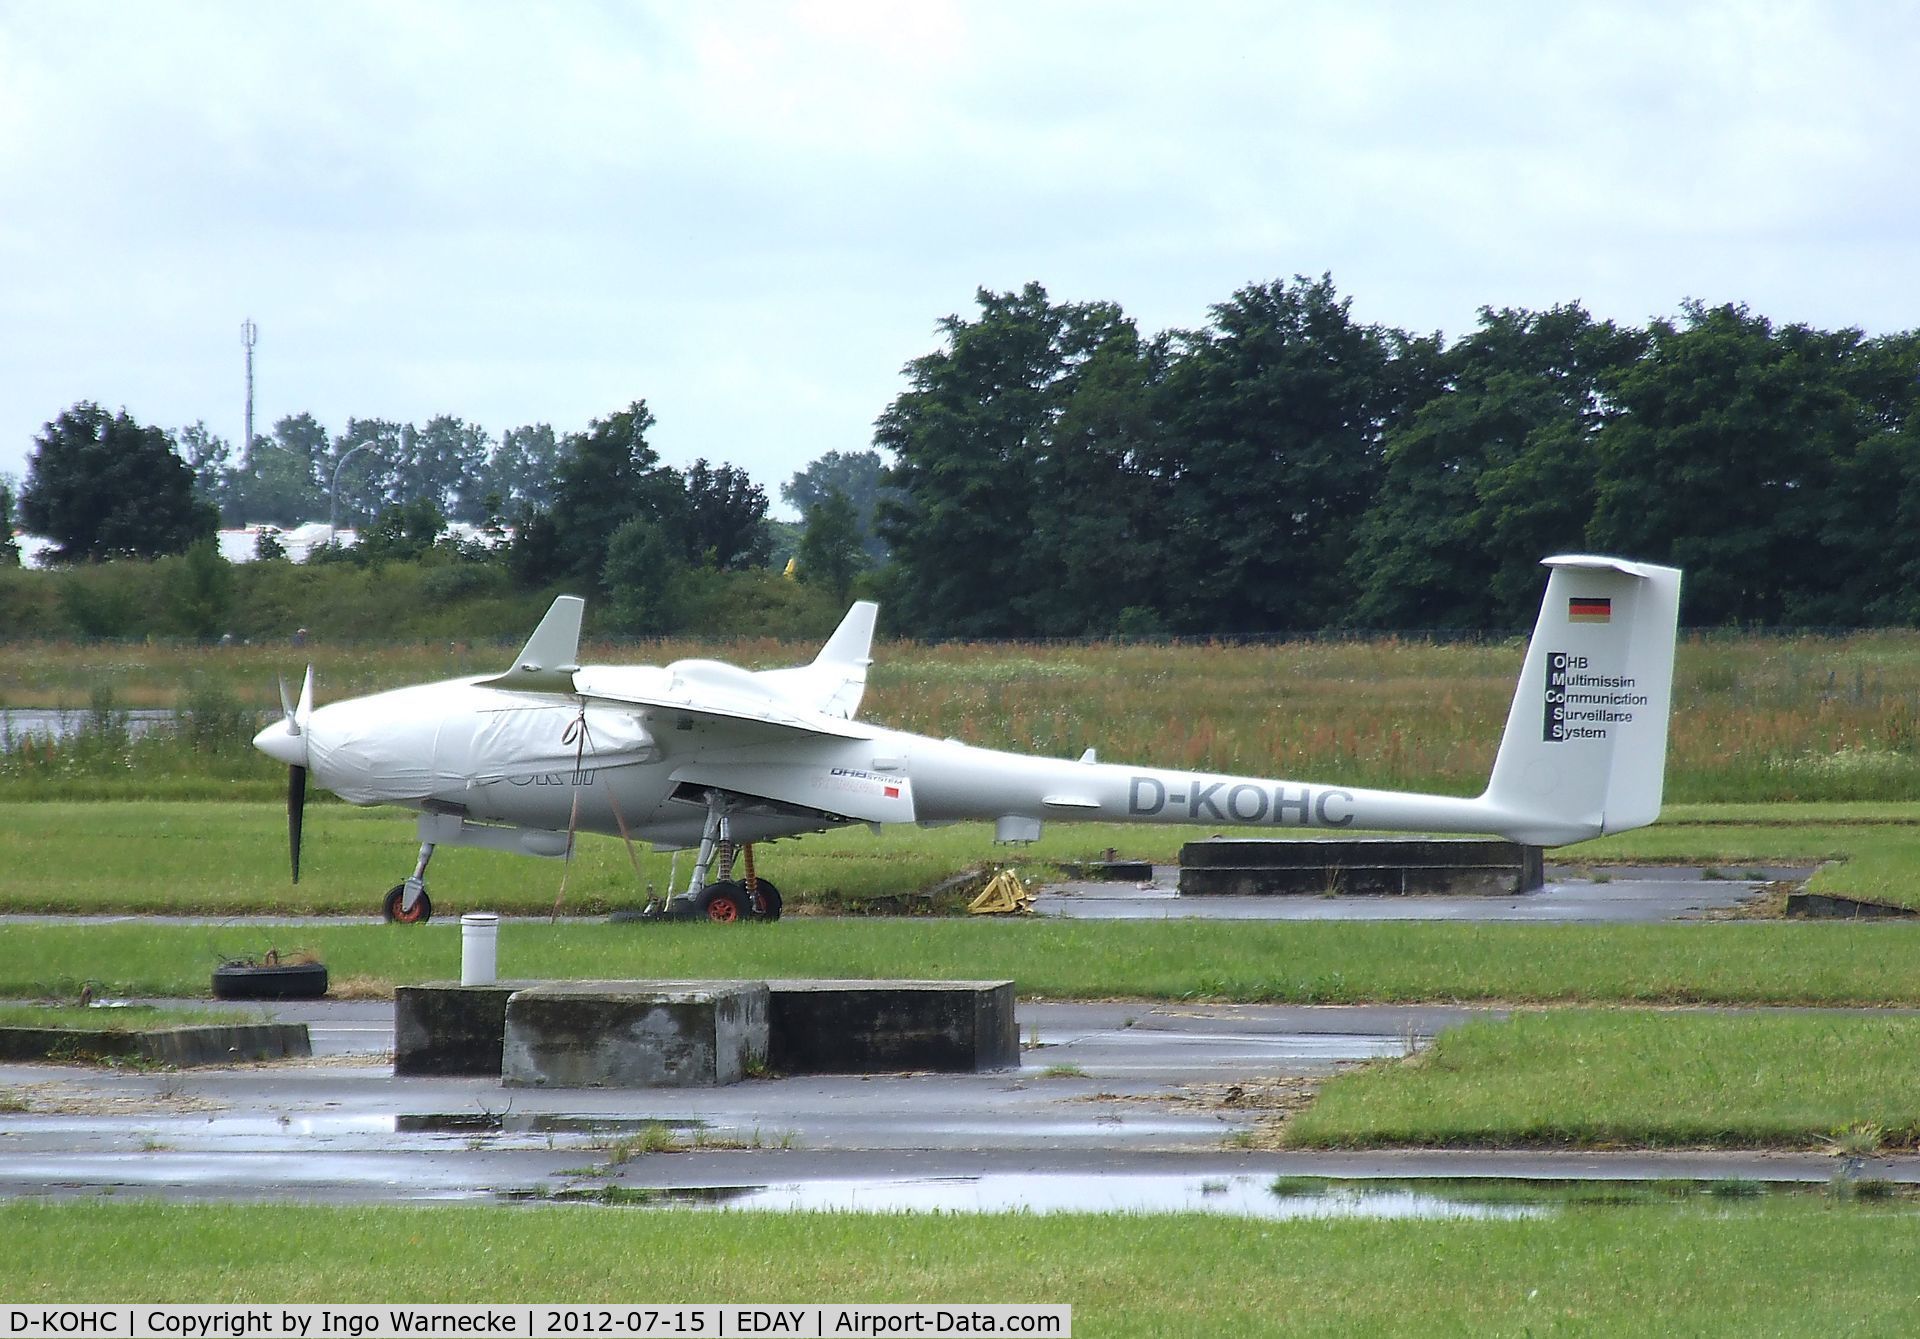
407, 903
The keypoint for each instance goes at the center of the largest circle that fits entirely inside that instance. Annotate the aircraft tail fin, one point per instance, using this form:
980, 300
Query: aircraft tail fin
1585, 748
837, 679
547, 662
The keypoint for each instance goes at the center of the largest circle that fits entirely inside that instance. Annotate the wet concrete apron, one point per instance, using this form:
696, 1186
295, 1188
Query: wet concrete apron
1609, 895
1129, 1106
1592, 895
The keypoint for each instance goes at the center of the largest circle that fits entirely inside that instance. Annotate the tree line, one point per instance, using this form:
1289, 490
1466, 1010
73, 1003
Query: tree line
1290, 468
595, 511
1054, 472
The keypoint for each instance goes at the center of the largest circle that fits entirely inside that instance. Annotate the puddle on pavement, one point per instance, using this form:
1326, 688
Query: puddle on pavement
1238, 1195
536, 1122
337, 1131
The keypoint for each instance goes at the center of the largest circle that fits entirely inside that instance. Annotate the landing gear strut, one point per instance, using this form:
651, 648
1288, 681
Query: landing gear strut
726, 900
407, 903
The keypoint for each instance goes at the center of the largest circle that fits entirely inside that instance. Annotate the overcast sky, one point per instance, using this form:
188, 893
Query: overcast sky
751, 215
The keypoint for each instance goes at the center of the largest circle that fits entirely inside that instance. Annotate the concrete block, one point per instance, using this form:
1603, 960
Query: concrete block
874, 1027
634, 1034
226, 1044
443, 1027
1319, 852
1381, 866
198, 1044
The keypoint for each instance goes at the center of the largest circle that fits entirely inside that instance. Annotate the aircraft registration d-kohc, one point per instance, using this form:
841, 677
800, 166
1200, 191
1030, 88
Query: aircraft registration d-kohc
703, 754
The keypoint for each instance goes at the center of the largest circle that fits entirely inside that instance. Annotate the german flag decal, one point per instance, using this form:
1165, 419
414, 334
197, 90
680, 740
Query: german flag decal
1589, 609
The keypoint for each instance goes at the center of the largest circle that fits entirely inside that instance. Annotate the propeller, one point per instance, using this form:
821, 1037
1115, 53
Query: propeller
296, 813
287, 741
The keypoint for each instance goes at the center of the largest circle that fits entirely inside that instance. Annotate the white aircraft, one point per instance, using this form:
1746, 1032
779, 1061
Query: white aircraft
705, 754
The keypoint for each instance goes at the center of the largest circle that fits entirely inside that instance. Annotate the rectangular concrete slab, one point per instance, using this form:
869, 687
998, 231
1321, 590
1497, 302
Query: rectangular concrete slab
882, 1027
1358, 866
1319, 852
443, 1027
635, 1034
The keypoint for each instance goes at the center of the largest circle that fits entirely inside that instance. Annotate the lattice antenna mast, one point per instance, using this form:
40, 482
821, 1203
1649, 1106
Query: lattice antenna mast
249, 336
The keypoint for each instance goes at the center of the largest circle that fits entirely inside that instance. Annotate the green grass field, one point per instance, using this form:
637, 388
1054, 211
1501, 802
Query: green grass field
113, 1020
1751, 1268
231, 857
180, 857
1868, 852
1635, 1079
1829, 963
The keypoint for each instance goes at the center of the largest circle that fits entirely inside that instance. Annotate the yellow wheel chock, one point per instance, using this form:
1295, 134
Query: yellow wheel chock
1004, 895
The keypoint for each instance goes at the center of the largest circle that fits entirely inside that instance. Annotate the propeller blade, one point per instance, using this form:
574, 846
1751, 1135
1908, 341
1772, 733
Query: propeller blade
304, 712
296, 813
286, 707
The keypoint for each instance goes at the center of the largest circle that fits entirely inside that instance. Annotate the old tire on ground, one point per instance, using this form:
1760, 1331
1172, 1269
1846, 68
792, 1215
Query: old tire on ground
422, 907
725, 903
272, 981
769, 899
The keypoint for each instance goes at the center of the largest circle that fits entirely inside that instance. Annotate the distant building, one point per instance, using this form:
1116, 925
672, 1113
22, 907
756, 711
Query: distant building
239, 544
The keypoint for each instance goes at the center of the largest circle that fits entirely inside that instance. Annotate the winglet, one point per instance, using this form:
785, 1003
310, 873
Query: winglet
852, 642
548, 661
842, 662
837, 679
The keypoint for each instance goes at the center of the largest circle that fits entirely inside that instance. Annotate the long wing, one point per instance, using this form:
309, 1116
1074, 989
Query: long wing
720, 704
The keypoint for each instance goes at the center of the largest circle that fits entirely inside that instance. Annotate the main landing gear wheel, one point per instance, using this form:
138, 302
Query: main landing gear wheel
768, 902
725, 903
422, 907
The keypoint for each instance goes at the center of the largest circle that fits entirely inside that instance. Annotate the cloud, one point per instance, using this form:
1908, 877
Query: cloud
753, 214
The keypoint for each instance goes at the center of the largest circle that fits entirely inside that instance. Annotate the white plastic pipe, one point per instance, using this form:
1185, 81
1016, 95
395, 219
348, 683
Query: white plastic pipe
479, 948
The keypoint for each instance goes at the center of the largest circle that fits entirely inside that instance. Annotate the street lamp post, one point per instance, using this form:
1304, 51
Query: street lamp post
333, 493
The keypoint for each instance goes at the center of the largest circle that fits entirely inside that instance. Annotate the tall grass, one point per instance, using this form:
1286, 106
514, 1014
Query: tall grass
1756, 718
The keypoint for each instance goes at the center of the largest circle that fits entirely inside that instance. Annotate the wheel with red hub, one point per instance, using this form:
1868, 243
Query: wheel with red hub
725, 902
422, 907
